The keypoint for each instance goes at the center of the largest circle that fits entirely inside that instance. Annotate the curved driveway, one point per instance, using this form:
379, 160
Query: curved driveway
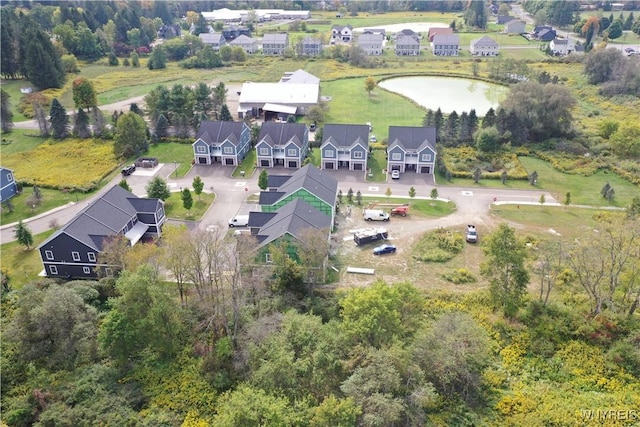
232, 193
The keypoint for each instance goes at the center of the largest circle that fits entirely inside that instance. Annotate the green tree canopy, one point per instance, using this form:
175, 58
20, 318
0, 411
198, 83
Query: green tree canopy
131, 135
157, 188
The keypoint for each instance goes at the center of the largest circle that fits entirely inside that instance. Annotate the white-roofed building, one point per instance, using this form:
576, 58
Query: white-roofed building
277, 99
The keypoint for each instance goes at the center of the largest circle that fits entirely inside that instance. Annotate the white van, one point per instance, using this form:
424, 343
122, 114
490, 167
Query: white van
239, 221
375, 215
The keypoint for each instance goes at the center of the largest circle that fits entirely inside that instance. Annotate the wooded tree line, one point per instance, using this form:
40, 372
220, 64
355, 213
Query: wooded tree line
230, 342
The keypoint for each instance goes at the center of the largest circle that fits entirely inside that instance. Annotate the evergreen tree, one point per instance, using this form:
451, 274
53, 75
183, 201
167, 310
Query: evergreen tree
99, 125
42, 63
263, 179
609, 194
225, 114
465, 134
59, 120
358, 198
628, 23
429, 120
198, 186
489, 119
451, 128
615, 30
473, 122
81, 124
23, 235
476, 14
187, 199
533, 178
124, 184
6, 115
157, 59
477, 174
501, 121
135, 59
438, 121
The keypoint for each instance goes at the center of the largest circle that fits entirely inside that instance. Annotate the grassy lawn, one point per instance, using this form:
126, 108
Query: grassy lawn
417, 207
20, 140
314, 157
584, 190
22, 266
571, 222
378, 164
248, 165
174, 209
50, 199
351, 104
171, 152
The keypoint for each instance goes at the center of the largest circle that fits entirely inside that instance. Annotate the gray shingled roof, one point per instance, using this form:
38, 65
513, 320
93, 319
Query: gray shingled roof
217, 132
104, 217
282, 133
412, 138
242, 40
346, 135
212, 38
293, 219
447, 39
275, 38
300, 76
275, 181
319, 183
370, 38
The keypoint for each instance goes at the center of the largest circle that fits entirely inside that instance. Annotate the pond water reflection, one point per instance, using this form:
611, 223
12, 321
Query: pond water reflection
448, 93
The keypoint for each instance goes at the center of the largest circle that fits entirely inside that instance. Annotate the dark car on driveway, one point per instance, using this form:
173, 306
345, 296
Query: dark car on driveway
384, 249
128, 170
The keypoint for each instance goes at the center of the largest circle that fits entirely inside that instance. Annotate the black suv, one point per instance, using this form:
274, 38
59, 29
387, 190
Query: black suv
128, 170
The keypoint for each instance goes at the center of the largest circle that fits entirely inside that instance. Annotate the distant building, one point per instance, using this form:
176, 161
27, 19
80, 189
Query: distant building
514, 26
371, 43
445, 45
215, 40
275, 43
484, 46
9, 187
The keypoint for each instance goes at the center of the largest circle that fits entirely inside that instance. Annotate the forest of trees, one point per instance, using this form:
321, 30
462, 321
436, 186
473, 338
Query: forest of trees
231, 343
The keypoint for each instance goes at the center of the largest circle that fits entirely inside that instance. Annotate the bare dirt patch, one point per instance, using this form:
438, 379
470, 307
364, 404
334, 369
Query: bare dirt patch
401, 266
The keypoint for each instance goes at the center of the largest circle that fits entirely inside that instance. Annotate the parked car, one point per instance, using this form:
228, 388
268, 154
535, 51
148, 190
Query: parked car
375, 215
128, 170
384, 249
312, 127
373, 139
472, 234
395, 174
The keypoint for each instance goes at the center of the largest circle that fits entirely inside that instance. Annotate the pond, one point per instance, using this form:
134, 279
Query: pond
448, 93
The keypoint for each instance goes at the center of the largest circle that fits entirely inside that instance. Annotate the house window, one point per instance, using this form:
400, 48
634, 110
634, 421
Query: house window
228, 150
291, 152
267, 258
201, 149
10, 177
48, 254
86, 270
108, 272
53, 269
76, 256
396, 156
328, 153
426, 157
264, 151
357, 154
91, 256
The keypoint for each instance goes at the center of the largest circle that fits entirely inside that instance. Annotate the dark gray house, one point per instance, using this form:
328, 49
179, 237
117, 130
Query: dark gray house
412, 149
310, 46
344, 146
285, 144
72, 252
222, 142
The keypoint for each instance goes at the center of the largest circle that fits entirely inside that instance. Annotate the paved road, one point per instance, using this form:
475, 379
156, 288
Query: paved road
231, 195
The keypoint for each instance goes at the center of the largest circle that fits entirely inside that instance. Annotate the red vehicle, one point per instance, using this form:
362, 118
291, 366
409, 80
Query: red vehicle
400, 210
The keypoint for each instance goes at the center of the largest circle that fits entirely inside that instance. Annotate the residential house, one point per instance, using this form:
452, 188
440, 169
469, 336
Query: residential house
169, 31
292, 221
503, 19
371, 43
381, 31
412, 149
233, 32
215, 40
275, 43
222, 142
445, 31
561, 47
514, 26
546, 35
444, 45
248, 44
484, 46
341, 33
8, 185
310, 46
314, 186
407, 45
344, 146
282, 144
72, 252
408, 32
